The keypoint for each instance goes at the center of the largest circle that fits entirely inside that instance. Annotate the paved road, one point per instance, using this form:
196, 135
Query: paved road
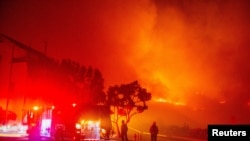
47, 139
143, 137
22, 139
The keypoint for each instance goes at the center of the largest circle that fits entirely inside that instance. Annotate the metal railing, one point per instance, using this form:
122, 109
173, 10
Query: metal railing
145, 136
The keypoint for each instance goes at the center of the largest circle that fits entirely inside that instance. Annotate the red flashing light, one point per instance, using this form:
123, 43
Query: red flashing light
74, 104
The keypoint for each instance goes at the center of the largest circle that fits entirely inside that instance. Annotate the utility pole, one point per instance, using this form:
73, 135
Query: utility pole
45, 48
10, 86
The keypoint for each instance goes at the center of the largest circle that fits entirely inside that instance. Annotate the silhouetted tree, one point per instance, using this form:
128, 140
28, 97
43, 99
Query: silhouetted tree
86, 82
86, 85
83, 84
127, 100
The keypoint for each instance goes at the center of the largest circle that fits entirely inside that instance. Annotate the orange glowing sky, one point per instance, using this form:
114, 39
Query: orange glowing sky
177, 49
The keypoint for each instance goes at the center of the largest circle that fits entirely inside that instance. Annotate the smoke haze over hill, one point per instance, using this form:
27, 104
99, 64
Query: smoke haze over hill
183, 51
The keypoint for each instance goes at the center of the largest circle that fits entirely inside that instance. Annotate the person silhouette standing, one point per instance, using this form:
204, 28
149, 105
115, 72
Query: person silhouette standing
153, 131
124, 130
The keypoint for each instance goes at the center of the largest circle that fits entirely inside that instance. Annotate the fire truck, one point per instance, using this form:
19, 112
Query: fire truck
75, 123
